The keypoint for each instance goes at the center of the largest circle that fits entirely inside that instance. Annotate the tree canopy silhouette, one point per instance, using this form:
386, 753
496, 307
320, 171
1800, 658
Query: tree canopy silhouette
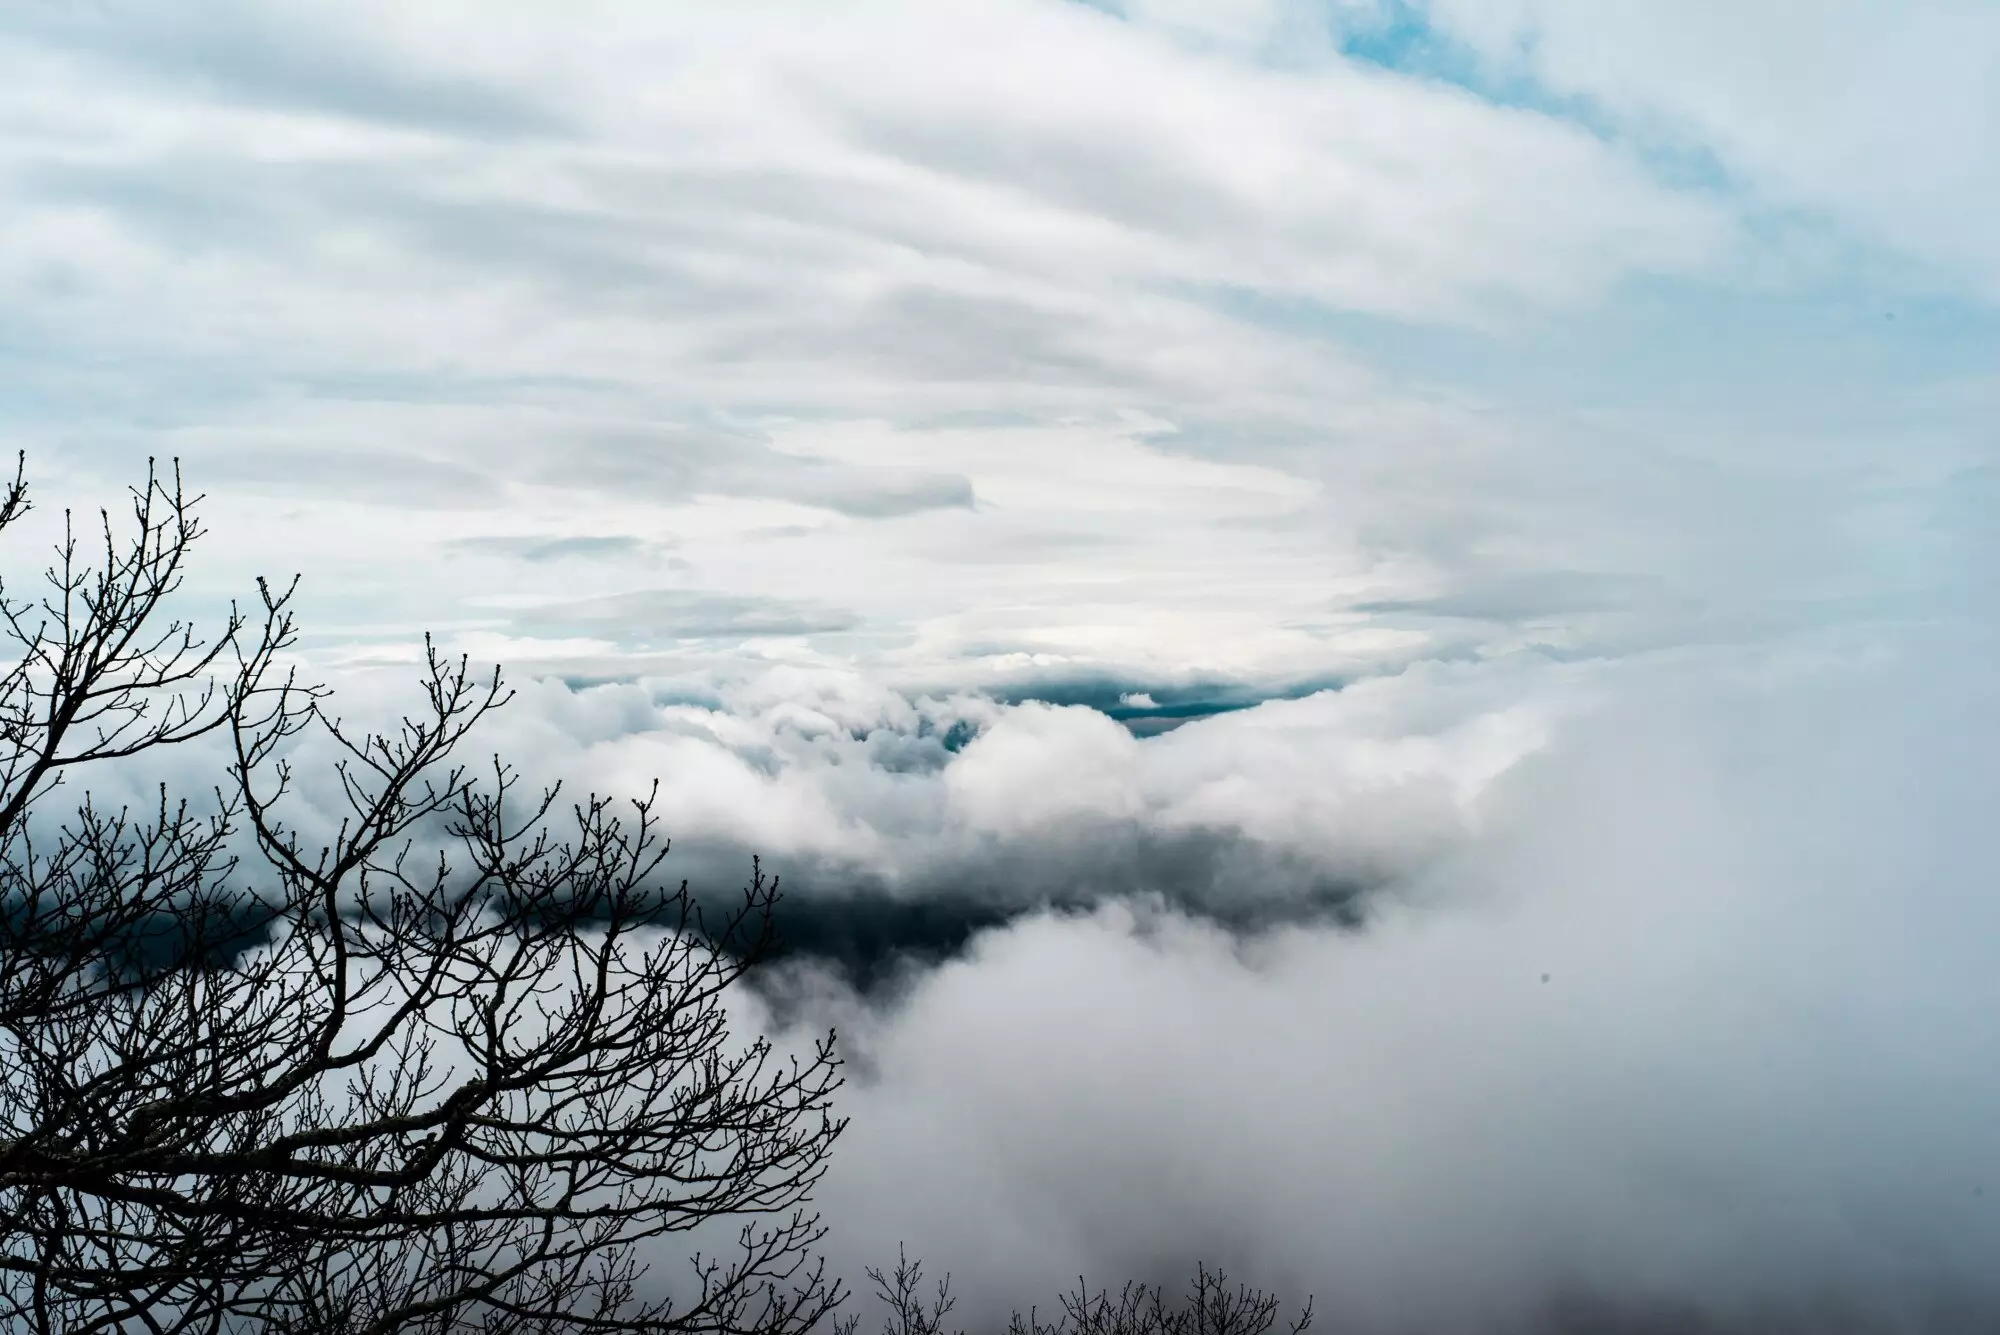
1210, 1306
447, 1057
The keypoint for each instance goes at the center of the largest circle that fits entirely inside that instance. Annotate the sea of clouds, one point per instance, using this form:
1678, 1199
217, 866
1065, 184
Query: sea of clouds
1362, 632
1471, 997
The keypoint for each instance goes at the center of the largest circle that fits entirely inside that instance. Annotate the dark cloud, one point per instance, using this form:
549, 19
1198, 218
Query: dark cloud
1133, 181
678, 462
1939, 1313
239, 52
872, 942
1527, 596
871, 493
377, 477
964, 338
871, 931
651, 616
539, 550
1152, 706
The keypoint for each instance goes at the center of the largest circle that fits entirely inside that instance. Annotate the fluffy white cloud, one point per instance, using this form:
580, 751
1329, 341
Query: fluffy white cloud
1699, 1029
857, 787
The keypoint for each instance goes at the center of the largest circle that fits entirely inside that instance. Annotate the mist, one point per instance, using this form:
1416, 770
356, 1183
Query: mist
1694, 1031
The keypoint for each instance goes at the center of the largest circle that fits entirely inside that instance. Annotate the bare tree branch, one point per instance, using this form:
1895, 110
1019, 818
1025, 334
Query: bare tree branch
1210, 1307
448, 1068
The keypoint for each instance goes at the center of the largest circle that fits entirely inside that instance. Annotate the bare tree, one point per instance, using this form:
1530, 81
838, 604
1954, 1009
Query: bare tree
1210, 1307
901, 1293
451, 1063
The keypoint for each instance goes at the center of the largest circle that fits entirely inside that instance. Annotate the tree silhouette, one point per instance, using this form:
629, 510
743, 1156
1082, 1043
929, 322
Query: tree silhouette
1210, 1307
447, 1063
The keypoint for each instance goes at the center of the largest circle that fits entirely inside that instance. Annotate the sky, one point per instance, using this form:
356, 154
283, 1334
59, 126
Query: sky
1363, 628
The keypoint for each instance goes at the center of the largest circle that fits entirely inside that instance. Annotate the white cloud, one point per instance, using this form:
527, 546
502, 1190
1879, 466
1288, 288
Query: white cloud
741, 277
853, 389
1881, 115
817, 302
1753, 1087
857, 786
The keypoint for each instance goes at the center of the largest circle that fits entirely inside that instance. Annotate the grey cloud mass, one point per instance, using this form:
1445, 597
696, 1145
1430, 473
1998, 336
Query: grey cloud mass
297, 60
583, 547
652, 615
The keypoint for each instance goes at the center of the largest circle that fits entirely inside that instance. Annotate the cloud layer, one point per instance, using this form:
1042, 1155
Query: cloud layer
1037, 299
1694, 1034
1214, 545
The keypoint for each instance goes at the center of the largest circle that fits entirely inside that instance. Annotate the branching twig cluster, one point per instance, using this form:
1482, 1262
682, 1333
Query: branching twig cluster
1210, 1307
251, 1082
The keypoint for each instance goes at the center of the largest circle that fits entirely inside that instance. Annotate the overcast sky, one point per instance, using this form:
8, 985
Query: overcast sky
1232, 537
